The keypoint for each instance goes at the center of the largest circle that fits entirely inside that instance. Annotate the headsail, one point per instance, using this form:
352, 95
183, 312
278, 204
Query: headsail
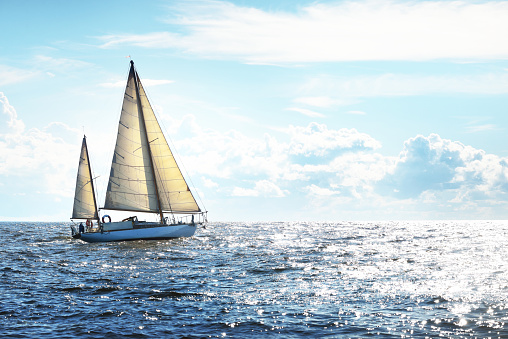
85, 206
144, 174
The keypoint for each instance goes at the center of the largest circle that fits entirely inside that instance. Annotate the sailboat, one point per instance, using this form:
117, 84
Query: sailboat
144, 178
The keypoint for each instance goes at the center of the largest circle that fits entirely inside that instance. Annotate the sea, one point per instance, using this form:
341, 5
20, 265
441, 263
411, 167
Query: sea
404, 279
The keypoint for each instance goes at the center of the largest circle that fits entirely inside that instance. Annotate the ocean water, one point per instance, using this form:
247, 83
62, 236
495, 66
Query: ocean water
249, 280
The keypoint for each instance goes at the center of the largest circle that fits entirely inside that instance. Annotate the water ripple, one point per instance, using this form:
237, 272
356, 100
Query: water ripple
403, 279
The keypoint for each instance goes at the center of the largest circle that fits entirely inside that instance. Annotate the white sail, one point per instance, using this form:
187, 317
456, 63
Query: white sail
144, 175
84, 200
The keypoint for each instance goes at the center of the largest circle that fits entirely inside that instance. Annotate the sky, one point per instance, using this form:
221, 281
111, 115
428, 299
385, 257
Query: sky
277, 110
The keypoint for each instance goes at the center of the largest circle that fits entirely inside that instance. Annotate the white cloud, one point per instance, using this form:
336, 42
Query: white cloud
150, 40
44, 65
481, 128
306, 112
325, 169
16, 125
448, 169
209, 183
336, 31
263, 188
296, 154
315, 166
319, 191
60, 64
317, 139
38, 156
359, 171
10, 75
318, 101
343, 90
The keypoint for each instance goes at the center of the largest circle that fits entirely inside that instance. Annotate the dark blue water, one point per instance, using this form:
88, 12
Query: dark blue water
388, 279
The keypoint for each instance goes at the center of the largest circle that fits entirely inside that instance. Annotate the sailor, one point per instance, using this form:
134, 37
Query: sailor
81, 228
193, 219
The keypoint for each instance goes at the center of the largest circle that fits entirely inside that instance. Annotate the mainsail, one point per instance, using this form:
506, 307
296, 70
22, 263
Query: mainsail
144, 174
85, 206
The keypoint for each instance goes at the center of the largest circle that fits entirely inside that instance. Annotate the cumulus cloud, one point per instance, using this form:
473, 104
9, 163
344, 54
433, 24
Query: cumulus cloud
314, 166
320, 191
262, 188
209, 183
333, 31
344, 170
316, 139
446, 168
36, 155
16, 125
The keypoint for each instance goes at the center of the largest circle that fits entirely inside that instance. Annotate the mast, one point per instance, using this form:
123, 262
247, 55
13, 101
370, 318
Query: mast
152, 168
91, 180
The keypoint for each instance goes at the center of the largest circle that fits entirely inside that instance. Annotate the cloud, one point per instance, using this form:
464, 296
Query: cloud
315, 168
306, 112
209, 183
316, 139
448, 169
60, 64
37, 156
318, 101
424, 164
342, 170
344, 90
335, 31
319, 191
357, 173
16, 125
296, 153
11, 75
149, 40
481, 128
263, 188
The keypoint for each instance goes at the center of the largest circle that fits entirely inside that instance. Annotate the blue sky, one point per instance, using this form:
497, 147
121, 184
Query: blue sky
279, 110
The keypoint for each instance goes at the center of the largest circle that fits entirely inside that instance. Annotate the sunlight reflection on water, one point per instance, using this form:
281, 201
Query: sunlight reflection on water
406, 279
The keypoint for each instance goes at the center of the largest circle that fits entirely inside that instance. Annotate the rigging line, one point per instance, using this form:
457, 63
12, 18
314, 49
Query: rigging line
137, 84
174, 150
165, 192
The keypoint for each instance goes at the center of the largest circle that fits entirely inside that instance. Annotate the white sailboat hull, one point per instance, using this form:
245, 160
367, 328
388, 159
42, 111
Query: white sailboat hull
150, 233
